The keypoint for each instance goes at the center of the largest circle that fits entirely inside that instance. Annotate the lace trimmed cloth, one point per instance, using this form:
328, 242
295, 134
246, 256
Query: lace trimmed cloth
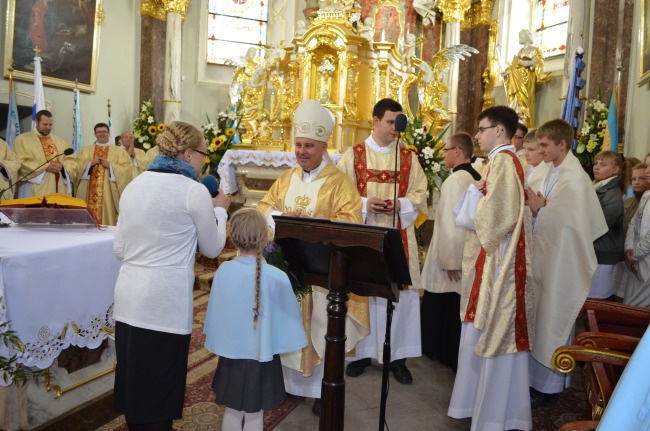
56, 290
234, 158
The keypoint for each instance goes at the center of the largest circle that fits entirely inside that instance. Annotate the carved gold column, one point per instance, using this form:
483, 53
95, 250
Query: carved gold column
175, 12
453, 12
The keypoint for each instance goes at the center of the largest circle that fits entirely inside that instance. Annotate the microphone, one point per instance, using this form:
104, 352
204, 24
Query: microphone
400, 123
400, 127
66, 152
211, 184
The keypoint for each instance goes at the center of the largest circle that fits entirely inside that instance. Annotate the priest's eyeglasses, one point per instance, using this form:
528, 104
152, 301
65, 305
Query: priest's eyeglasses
444, 150
483, 129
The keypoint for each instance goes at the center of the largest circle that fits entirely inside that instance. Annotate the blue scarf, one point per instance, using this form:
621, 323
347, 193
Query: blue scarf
162, 163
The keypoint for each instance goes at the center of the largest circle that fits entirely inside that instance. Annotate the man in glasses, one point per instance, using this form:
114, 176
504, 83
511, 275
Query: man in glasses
104, 172
441, 274
496, 295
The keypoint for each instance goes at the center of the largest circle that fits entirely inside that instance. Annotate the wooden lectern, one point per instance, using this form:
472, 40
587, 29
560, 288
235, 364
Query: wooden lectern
345, 257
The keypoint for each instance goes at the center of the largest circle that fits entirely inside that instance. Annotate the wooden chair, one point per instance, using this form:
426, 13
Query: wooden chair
603, 367
579, 426
614, 317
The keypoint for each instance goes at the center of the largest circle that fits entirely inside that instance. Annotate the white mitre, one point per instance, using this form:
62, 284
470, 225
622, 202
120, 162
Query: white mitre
312, 120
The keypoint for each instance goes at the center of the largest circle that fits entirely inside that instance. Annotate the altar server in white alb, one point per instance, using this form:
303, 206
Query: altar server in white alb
536, 168
442, 271
496, 304
315, 188
568, 219
371, 165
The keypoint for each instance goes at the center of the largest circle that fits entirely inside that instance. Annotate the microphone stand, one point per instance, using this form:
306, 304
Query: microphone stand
389, 313
11, 185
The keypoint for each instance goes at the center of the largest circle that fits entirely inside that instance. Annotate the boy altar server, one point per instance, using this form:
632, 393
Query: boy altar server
569, 219
442, 270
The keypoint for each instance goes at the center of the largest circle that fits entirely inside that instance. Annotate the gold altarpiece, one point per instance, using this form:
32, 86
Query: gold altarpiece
332, 63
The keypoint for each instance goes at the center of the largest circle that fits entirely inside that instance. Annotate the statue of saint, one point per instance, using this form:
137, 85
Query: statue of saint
526, 70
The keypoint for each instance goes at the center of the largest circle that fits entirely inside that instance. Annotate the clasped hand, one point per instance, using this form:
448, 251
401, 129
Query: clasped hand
54, 167
100, 161
381, 206
535, 200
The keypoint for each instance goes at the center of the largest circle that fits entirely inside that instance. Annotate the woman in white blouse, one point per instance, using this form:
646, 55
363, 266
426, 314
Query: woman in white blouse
164, 213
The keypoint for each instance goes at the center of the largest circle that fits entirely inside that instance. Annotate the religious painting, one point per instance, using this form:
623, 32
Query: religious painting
388, 24
644, 41
65, 33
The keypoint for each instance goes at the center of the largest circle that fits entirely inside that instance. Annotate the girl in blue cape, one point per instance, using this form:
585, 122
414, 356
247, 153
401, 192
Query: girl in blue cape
252, 318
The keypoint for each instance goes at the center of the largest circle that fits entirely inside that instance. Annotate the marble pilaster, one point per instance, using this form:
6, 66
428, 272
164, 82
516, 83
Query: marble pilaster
602, 68
172, 89
470, 85
152, 62
452, 33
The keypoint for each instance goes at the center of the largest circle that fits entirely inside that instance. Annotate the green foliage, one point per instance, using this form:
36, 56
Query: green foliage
145, 127
10, 370
273, 255
429, 149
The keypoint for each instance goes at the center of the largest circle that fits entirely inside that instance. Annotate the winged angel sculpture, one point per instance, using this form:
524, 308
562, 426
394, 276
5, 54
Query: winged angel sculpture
431, 80
249, 82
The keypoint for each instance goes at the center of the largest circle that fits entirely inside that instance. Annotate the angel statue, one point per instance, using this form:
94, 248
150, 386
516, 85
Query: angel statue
426, 9
408, 49
431, 85
366, 31
301, 29
248, 81
526, 70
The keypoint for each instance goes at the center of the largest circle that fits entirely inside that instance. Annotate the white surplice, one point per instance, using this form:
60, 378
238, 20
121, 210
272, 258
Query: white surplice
564, 262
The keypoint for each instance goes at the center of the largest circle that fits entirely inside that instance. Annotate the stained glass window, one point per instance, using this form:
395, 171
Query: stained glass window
234, 26
550, 26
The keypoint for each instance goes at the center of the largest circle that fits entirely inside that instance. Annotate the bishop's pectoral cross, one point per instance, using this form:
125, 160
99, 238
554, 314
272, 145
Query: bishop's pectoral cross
36, 50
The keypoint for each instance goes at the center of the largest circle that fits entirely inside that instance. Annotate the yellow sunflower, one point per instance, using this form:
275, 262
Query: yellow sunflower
152, 130
206, 161
161, 127
230, 132
412, 148
216, 142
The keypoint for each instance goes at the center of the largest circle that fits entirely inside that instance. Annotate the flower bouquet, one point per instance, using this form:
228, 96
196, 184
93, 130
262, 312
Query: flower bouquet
220, 136
590, 138
273, 255
429, 151
145, 127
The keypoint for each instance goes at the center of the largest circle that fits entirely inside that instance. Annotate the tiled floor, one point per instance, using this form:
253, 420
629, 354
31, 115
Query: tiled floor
421, 405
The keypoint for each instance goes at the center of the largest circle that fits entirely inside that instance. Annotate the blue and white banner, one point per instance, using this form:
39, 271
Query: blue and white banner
77, 140
39, 96
13, 121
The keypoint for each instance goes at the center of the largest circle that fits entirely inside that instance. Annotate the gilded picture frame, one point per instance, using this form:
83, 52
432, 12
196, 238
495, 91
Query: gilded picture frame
644, 44
67, 35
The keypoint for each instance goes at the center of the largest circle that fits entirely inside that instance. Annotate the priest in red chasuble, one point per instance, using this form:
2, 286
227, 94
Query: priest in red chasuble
496, 305
371, 165
104, 172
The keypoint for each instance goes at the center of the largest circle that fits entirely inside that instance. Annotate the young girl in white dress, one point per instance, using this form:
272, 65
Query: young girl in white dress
252, 318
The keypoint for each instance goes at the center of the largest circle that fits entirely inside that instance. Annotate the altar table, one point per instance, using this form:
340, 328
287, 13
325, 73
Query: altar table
56, 289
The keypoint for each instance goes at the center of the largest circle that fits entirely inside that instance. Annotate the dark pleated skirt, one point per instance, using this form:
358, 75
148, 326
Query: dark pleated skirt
440, 327
248, 385
150, 374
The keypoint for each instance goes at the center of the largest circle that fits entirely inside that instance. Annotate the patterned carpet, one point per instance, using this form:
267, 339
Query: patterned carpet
200, 412
571, 405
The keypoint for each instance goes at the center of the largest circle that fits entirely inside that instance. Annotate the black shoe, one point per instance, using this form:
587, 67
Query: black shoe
356, 368
540, 399
402, 374
316, 407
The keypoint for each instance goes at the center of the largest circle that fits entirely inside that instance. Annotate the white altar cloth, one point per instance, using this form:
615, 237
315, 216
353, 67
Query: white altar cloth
233, 158
56, 289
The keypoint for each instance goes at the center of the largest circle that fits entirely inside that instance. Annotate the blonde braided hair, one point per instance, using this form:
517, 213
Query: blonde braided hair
249, 232
178, 137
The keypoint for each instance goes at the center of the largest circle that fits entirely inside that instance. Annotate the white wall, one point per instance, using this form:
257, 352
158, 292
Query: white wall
117, 76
